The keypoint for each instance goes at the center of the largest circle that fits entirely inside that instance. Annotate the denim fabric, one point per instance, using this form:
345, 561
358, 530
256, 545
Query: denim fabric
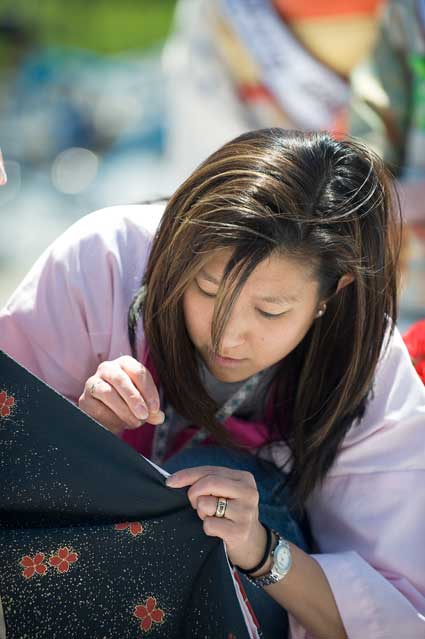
274, 512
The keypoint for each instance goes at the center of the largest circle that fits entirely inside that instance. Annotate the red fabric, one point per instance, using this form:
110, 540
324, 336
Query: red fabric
255, 93
305, 9
415, 342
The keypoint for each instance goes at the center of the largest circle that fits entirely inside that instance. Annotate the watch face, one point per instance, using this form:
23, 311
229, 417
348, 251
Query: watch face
282, 558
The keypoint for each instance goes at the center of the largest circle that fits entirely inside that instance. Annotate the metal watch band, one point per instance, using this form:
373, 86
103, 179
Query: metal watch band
273, 576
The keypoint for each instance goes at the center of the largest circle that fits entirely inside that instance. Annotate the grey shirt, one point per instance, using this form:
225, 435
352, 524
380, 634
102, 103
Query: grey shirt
221, 392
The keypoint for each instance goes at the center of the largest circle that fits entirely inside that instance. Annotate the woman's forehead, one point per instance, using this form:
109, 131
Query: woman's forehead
277, 276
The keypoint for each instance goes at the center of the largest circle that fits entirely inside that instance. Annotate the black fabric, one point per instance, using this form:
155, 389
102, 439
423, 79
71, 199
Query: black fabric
92, 542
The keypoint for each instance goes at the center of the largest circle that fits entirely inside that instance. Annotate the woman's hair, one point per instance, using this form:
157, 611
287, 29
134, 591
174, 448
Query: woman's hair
307, 196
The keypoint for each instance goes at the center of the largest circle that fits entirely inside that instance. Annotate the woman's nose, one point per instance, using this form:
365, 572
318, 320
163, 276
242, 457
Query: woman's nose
234, 334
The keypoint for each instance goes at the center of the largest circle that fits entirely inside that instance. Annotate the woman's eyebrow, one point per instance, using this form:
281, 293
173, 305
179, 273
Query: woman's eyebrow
271, 299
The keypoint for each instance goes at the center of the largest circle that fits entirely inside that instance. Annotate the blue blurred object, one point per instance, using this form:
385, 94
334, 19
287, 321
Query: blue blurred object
68, 98
79, 131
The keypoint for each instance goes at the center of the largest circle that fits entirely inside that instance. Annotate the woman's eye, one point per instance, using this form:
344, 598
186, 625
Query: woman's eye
271, 315
201, 290
263, 313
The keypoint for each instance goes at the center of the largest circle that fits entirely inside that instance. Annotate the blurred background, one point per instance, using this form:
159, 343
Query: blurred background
106, 102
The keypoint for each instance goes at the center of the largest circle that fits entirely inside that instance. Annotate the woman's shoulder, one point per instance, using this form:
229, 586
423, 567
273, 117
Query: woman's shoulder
118, 237
390, 435
107, 226
78, 292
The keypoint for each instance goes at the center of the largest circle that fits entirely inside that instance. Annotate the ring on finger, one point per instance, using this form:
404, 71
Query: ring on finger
93, 387
220, 509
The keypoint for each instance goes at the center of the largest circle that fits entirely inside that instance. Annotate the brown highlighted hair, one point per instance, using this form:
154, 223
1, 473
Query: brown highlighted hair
329, 203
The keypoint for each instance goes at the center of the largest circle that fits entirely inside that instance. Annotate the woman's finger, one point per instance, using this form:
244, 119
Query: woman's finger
206, 506
102, 414
219, 486
99, 390
188, 476
118, 379
222, 528
142, 380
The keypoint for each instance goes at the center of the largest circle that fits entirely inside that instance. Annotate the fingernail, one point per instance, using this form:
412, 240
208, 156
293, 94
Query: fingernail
170, 481
154, 407
141, 412
161, 416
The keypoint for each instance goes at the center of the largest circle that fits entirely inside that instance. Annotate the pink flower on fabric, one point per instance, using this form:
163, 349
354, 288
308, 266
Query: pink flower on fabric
149, 614
134, 527
63, 559
33, 565
6, 403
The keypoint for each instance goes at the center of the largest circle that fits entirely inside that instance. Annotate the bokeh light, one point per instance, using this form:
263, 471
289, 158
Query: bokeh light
74, 170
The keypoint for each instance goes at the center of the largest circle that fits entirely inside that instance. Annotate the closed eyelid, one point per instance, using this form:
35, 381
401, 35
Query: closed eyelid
268, 299
201, 290
272, 315
259, 310
208, 278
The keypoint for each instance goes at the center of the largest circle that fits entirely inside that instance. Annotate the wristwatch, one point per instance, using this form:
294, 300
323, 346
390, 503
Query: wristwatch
282, 562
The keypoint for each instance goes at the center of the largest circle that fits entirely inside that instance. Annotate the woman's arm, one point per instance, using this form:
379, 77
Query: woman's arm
70, 312
305, 593
367, 517
376, 591
367, 520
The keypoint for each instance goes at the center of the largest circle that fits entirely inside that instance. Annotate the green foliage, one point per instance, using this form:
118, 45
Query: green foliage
103, 26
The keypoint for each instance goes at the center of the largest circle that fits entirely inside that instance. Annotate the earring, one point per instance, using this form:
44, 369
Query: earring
321, 310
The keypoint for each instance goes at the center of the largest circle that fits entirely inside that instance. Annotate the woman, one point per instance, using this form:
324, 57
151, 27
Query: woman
265, 322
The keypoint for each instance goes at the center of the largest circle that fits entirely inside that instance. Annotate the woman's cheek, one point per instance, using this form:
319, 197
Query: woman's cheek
283, 339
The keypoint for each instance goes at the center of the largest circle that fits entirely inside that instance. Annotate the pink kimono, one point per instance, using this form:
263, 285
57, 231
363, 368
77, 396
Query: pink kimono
368, 518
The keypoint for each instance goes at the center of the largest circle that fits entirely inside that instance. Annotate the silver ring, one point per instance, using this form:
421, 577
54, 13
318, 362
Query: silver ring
92, 387
220, 509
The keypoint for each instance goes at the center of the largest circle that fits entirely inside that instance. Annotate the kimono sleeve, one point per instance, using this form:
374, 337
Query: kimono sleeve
367, 517
70, 311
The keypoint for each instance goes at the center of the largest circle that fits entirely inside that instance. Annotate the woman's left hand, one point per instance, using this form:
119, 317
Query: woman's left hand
240, 528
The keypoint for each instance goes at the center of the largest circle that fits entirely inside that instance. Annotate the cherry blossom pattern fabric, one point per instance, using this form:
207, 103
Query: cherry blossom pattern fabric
92, 542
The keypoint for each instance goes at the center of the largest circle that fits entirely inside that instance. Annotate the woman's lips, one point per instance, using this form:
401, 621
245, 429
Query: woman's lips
227, 361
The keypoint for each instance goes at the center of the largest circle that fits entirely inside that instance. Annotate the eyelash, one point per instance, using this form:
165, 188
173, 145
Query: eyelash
263, 313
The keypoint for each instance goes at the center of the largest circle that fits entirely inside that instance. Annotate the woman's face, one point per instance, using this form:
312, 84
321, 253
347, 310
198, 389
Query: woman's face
272, 314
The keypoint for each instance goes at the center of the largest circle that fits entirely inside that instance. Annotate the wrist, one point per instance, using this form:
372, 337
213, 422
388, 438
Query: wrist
265, 569
279, 564
259, 559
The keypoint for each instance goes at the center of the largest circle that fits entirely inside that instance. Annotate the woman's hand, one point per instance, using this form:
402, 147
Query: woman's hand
240, 528
121, 394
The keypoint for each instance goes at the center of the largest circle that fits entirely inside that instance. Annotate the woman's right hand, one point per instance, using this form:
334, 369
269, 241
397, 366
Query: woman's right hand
121, 394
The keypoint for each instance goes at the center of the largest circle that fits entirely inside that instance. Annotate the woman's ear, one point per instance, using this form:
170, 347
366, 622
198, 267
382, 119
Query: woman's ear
344, 281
